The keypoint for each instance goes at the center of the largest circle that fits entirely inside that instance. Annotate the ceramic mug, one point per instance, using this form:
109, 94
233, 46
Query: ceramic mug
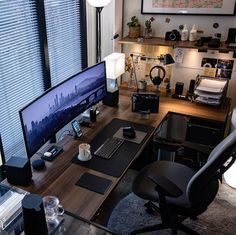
84, 152
142, 85
52, 209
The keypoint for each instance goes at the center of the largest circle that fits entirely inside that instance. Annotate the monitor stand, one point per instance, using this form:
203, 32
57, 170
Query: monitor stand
86, 114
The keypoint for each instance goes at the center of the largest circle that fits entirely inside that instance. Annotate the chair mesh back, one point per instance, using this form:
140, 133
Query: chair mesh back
201, 182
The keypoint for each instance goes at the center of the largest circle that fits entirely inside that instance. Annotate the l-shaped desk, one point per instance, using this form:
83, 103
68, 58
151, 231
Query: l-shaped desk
60, 176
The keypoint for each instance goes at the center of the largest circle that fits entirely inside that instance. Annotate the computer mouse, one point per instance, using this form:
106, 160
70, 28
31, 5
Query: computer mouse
129, 132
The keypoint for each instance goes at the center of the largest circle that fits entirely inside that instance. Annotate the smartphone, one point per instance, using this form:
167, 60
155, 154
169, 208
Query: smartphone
76, 128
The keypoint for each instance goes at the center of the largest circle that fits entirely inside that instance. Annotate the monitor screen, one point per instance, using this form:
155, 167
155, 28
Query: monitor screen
46, 115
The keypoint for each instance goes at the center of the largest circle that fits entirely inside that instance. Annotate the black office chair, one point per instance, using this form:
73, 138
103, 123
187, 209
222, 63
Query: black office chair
180, 191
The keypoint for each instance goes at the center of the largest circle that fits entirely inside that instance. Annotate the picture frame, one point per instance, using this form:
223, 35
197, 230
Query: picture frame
210, 7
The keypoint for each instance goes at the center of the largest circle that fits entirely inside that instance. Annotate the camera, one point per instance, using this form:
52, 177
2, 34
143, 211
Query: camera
173, 35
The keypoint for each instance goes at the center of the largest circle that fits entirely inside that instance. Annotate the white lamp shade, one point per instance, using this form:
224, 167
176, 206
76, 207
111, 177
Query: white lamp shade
99, 3
115, 65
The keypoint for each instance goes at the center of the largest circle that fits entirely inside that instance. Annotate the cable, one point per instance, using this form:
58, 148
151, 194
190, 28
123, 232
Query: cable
62, 134
39, 154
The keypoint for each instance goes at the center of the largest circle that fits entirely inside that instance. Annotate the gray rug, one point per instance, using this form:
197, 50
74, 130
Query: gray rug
220, 217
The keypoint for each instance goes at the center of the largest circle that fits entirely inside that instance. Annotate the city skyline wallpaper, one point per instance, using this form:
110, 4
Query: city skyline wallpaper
48, 114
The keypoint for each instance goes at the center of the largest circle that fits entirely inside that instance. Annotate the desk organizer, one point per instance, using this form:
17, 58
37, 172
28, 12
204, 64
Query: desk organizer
10, 204
210, 91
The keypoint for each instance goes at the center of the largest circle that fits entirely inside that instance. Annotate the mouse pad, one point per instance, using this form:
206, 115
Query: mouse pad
93, 182
137, 139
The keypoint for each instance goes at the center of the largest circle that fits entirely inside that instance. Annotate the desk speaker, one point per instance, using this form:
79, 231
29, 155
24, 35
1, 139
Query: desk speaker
191, 86
18, 171
231, 35
179, 88
111, 99
34, 215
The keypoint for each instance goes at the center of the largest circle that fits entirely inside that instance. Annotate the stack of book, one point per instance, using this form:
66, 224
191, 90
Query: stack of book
210, 91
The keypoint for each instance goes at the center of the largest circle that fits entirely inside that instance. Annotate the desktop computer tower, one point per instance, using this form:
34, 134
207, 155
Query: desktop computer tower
112, 98
18, 171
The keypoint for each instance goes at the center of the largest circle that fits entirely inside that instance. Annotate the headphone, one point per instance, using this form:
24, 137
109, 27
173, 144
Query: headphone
156, 80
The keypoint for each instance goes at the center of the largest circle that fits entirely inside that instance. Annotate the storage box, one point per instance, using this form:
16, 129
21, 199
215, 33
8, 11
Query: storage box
10, 204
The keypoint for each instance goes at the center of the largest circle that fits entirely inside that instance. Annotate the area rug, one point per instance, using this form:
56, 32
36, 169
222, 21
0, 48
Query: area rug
220, 217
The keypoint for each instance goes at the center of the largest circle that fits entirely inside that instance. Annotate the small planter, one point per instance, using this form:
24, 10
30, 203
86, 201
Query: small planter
134, 32
147, 33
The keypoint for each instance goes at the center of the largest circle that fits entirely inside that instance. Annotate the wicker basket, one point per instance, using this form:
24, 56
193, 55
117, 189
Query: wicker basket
134, 32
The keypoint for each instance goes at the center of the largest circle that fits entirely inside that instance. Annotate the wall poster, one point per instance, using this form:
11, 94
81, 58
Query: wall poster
189, 7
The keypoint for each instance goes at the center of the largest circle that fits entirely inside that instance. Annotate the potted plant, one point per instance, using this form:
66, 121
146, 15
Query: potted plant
134, 27
148, 27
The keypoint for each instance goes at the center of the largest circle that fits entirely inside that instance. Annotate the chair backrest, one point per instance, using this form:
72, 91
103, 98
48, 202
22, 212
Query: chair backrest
205, 181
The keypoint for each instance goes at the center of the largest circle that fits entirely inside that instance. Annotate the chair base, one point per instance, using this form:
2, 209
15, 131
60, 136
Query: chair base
164, 226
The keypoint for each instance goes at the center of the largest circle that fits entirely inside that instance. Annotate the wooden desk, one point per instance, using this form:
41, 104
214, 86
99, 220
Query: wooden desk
60, 176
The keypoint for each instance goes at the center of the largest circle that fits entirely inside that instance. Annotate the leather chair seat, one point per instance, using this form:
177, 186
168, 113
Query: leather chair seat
176, 172
181, 192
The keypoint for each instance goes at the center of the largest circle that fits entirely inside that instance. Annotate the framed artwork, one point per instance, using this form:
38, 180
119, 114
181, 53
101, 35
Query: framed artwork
190, 7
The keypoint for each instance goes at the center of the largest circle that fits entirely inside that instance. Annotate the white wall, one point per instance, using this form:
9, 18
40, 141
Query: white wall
111, 24
205, 23
191, 65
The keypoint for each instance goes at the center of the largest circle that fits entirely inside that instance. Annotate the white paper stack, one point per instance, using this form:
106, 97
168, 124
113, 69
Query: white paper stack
210, 91
10, 205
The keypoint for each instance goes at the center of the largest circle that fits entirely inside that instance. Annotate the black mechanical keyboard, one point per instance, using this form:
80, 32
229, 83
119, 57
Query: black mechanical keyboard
108, 148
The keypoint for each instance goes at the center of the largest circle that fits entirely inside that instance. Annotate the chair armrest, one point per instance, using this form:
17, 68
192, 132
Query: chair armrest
165, 186
197, 147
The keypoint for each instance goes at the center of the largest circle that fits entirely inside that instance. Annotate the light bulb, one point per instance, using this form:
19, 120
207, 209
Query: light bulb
98, 3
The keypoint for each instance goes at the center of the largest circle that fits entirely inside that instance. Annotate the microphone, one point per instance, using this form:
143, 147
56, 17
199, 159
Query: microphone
135, 76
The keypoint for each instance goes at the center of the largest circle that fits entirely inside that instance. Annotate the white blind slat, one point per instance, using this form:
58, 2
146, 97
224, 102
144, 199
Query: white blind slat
21, 72
20, 69
63, 31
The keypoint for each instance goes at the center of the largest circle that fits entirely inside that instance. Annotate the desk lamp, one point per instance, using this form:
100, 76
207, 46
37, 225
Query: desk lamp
98, 4
115, 67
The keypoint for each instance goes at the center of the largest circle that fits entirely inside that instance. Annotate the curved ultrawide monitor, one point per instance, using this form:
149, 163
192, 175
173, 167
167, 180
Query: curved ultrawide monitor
46, 115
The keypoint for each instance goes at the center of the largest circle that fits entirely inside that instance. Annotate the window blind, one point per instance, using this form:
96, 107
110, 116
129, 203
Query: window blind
63, 27
21, 77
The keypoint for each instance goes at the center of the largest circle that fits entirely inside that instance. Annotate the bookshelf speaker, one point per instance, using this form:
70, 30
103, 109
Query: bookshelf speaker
231, 35
112, 98
18, 171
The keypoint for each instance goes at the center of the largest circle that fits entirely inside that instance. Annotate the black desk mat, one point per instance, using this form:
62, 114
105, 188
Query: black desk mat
116, 165
93, 182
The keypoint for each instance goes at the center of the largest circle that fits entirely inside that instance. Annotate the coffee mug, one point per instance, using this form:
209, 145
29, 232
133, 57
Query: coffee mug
142, 84
52, 209
84, 152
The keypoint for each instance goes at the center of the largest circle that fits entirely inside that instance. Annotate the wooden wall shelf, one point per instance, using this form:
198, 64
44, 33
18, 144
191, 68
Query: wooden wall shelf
157, 41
